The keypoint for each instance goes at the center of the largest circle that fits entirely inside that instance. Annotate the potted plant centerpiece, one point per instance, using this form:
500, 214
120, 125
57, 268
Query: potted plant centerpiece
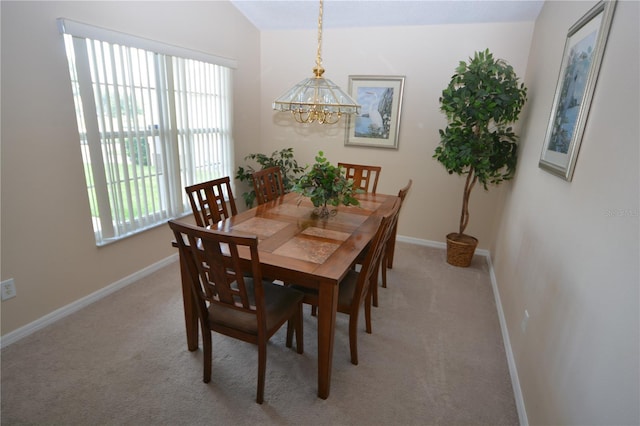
326, 185
482, 99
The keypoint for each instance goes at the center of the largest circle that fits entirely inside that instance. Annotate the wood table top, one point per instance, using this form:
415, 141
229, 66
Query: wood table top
296, 245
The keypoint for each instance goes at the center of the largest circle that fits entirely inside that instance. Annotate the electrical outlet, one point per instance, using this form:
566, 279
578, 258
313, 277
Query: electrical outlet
8, 289
525, 321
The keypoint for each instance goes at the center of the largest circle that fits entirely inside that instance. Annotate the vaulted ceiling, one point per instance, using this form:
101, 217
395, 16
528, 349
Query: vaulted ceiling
303, 14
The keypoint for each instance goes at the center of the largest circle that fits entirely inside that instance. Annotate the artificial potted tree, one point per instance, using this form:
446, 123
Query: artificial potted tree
481, 101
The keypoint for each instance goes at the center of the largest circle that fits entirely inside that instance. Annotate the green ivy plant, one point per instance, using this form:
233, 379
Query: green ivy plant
283, 158
326, 184
481, 100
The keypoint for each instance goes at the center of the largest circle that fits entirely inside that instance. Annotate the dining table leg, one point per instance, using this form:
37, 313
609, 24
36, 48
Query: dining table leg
327, 309
190, 314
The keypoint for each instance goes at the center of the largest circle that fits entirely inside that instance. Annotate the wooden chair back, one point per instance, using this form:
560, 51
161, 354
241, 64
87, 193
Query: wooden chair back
391, 244
368, 279
214, 266
372, 261
404, 191
364, 177
211, 201
231, 300
268, 184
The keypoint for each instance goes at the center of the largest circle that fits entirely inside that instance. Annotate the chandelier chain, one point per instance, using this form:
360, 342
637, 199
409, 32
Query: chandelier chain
318, 56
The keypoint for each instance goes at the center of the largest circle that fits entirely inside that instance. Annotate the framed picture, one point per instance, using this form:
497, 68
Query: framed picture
378, 123
583, 51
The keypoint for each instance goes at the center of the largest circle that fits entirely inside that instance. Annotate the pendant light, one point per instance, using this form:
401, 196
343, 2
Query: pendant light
317, 99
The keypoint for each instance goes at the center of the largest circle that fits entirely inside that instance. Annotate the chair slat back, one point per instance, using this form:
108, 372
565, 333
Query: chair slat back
364, 177
268, 184
216, 271
404, 191
402, 194
209, 201
370, 266
391, 241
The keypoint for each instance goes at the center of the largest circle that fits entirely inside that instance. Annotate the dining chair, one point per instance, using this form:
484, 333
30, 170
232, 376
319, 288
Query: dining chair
355, 289
364, 177
393, 220
228, 302
389, 247
209, 201
387, 259
268, 184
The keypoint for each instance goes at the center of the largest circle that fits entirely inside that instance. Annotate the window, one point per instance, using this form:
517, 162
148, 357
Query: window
152, 119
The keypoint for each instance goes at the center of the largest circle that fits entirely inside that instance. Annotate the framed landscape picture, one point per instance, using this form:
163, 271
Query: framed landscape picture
378, 123
581, 60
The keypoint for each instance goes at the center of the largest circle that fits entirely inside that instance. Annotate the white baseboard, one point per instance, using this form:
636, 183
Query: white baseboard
435, 244
511, 361
421, 242
58, 314
513, 371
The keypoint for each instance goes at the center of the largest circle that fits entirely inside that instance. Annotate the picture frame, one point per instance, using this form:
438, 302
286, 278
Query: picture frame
581, 59
378, 123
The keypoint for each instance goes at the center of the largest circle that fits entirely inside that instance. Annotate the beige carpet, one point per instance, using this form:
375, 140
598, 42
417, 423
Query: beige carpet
435, 357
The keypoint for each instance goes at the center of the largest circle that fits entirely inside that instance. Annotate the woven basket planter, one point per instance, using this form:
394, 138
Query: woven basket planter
460, 249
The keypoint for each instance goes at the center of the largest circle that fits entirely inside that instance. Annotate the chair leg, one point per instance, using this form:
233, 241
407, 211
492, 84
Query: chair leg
291, 324
353, 337
373, 287
295, 324
390, 250
384, 275
299, 331
386, 261
262, 369
207, 354
314, 310
367, 312
374, 291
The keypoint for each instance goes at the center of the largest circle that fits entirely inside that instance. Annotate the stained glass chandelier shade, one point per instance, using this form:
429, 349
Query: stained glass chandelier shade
317, 99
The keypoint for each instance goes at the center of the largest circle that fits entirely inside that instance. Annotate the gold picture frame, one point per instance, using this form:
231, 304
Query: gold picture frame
378, 123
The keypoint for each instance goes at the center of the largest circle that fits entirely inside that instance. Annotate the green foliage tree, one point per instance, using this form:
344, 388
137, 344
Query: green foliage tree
283, 158
481, 100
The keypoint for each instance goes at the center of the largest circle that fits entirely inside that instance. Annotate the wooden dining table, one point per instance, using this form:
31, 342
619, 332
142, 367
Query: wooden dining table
295, 246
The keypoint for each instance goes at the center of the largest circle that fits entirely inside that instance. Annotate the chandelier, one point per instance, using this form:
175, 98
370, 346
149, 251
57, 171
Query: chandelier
317, 98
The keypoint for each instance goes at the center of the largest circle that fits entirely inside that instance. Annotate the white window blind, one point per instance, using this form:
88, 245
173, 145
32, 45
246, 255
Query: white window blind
150, 123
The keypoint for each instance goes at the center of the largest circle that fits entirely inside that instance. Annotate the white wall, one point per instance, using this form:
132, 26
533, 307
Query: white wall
47, 237
427, 56
567, 252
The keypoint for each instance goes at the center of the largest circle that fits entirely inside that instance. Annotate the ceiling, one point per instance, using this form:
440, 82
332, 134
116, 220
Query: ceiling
303, 14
